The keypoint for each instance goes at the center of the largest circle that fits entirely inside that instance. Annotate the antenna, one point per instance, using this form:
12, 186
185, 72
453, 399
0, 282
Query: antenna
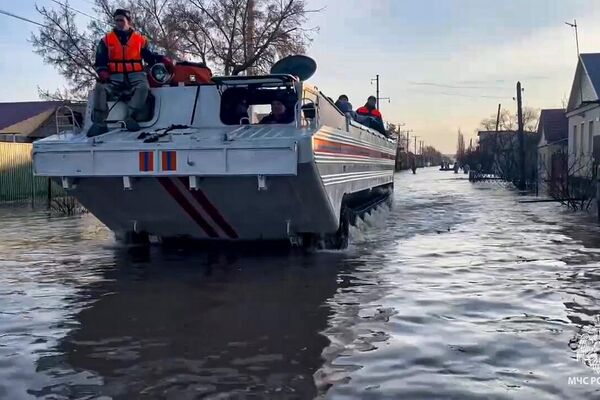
574, 25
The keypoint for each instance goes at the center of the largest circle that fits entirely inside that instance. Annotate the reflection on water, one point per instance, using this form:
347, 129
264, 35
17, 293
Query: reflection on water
459, 291
185, 325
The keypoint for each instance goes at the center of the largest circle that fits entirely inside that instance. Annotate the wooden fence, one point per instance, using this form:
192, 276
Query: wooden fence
17, 183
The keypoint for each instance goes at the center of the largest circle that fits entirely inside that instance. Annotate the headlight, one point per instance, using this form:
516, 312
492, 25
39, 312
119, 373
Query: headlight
160, 74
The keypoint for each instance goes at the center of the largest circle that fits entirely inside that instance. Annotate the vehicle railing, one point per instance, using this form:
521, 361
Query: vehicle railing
63, 113
302, 121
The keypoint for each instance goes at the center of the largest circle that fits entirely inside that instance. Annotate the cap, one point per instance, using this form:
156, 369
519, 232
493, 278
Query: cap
122, 12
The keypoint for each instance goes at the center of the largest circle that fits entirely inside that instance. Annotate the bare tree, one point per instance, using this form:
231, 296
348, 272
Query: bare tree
231, 36
62, 45
508, 120
571, 180
432, 155
498, 155
460, 147
241, 34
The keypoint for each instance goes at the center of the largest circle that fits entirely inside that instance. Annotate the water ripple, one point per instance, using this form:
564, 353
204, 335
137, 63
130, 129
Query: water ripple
458, 292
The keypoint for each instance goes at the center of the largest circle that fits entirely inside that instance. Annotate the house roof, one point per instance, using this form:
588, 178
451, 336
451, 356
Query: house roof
13, 113
585, 89
554, 124
591, 63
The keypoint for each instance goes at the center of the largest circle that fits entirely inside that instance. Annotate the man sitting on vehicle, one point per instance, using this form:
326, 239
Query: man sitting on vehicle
369, 109
119, 64
342, 102
279, 114
345, 106
370, 116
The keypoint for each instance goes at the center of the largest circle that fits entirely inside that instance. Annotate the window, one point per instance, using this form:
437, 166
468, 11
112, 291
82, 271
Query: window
249, 104
590, 138
574, 149
581, 138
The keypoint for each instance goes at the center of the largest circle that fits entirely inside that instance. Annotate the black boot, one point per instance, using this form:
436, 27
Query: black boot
132, 125
96, 130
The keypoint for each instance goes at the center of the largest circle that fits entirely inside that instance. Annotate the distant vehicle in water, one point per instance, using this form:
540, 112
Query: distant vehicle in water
204, 167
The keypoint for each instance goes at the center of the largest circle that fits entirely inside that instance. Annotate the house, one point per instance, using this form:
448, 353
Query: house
553, 128
25, 122
583, 113
20, 125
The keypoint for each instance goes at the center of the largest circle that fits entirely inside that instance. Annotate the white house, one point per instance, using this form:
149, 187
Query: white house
583, 112
553, 129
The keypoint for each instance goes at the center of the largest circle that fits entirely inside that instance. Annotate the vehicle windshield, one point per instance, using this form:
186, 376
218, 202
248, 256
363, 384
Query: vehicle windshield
258, 104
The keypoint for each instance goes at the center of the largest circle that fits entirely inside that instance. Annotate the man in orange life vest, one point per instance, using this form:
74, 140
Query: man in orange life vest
119, 64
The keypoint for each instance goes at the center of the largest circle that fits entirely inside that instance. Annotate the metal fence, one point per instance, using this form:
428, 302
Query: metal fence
17, 183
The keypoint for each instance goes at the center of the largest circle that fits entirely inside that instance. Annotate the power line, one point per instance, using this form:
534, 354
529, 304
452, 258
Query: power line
90, 2
37, 23
449, 86
459, 95
78, 11
9, 14
21, 18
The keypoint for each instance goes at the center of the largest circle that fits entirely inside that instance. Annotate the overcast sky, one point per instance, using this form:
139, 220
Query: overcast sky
446, 64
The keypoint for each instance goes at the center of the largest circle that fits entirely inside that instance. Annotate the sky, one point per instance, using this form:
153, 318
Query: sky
445, 64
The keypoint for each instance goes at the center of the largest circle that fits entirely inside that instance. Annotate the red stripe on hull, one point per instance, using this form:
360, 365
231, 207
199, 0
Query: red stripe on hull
211, 210
187, 206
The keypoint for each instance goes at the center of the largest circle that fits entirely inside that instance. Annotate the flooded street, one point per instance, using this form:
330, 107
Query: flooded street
459, 292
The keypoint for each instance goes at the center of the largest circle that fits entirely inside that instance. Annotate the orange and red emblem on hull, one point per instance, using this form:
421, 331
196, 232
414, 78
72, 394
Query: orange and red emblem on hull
146, 159
169, 160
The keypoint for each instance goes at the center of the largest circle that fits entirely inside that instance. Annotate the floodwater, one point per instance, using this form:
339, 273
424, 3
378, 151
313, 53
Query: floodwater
458, 292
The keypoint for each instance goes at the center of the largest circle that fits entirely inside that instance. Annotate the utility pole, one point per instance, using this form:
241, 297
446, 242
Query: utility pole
408, 131
498, 118
415, 153
376, 79
521, 138
574, 25
377, 98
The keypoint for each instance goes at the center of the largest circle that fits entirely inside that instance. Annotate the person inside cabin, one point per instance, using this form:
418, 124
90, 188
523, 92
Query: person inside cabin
280, 114
241, 112
119, 65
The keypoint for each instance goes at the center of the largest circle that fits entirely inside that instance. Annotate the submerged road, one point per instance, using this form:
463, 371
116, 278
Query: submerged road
459, 292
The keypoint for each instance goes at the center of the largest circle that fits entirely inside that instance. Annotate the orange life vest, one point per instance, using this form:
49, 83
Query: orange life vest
128, 58
371, 113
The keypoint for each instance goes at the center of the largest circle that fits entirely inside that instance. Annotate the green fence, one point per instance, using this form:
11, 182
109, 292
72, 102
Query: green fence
17, 183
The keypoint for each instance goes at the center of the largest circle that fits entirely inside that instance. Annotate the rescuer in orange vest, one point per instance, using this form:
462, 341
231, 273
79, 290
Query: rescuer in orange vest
369, 109
119, 64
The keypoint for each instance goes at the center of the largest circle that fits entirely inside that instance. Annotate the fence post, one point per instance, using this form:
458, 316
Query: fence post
49, 194
598, 198
32, 187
